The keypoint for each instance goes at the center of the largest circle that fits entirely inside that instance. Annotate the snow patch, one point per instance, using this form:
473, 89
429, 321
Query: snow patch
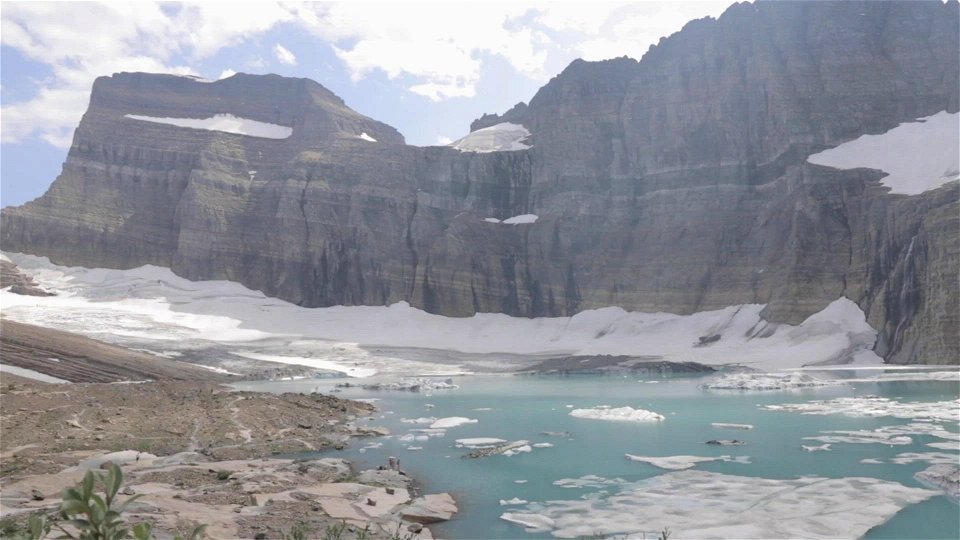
31, 374
497, 138
349, 371
619, 414
226, 123
366, 137
917, 156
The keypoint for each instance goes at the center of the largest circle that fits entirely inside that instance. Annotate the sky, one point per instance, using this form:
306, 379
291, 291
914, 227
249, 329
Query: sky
426, 68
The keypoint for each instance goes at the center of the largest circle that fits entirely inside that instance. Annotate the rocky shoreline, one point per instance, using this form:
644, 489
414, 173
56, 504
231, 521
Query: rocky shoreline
200, 453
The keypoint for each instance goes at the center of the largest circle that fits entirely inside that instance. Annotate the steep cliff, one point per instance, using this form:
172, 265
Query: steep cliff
678, 183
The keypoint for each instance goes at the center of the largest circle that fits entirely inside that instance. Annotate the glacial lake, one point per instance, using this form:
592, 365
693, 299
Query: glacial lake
525, 407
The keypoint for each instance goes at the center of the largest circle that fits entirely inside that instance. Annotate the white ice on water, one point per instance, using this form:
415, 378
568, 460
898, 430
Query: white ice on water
767, 381
480, 442
873, 406
918, 156
226, 123
700, 504
617, 414
152, 303
452, 422
497, 138
679, 463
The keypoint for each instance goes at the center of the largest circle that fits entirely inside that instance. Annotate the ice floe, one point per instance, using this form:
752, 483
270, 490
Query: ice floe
479, 442
451, 422
31, 374
617, 414
821, 448
907, 458
679, 463
588, 481
543, 445
873, 406
944, 476
497, 138
724, 425
515, 220
152, 303
918, 156
226, 123
511, 502
700, 504
889, 435
767, 381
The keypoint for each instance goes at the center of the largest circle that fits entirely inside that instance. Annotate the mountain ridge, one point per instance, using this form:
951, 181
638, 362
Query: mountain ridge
677, 183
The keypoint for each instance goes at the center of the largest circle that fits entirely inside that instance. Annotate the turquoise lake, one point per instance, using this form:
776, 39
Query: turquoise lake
524, 407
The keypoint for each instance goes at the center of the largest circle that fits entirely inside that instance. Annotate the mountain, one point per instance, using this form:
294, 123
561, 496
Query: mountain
678, 183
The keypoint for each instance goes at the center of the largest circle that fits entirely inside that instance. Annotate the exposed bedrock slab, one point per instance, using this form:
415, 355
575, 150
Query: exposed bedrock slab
678, 183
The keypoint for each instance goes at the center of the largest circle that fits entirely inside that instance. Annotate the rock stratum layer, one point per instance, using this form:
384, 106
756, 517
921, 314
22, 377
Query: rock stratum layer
678, 183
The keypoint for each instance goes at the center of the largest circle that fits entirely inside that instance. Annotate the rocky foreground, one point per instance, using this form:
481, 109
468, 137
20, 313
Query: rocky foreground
200, 453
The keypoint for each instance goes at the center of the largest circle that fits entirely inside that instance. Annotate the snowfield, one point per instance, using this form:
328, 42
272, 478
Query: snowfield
918, 156
497, 138
226, 123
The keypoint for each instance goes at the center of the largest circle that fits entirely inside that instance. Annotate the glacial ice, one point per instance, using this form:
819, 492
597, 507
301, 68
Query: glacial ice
918, 156
152, 303
618, 414
497, 138
226, 123
944, 476
700, 504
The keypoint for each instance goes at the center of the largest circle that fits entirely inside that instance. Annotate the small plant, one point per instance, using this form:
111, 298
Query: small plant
335, 532
298, 532
96, 517
664, 534
224, 475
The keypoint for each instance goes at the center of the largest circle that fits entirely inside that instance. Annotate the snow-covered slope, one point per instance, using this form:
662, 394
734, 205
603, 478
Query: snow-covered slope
226, 123
918, 156
153, 303
496, 138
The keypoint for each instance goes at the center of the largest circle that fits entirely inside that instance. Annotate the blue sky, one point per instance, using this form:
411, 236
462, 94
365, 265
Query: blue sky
426, 68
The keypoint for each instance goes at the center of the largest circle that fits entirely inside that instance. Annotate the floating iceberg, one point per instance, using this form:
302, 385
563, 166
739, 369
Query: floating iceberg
451, 422
619, 414
679, 463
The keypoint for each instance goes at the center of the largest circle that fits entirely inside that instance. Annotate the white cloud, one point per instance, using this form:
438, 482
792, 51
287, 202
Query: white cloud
82, 41
443, 141
284, 55
437, 50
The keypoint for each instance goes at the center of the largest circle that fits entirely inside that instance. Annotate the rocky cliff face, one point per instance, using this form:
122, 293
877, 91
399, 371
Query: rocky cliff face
678, 183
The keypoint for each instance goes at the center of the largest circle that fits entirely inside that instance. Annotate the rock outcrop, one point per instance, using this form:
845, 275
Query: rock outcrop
677, 183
